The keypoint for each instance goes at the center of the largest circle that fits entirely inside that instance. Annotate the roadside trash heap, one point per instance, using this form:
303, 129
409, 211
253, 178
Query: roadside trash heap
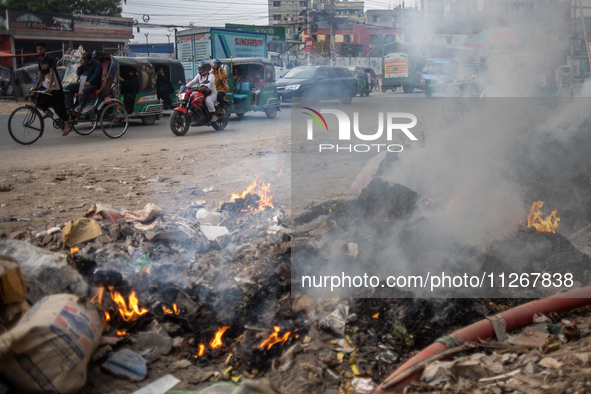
208, 290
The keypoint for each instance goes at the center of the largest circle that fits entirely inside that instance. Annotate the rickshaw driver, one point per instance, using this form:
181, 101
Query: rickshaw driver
205, 78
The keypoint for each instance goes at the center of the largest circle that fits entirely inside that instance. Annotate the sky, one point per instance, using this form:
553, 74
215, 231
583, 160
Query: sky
206, 13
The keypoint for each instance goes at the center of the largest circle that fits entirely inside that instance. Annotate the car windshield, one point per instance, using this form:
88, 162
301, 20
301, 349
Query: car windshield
435, 68
300, 73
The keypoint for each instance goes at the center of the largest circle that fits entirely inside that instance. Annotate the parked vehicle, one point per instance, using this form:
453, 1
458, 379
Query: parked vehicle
278, 63
247, 93
5, 86
25, 78
203, 43
318, 81
173, 68
192, 111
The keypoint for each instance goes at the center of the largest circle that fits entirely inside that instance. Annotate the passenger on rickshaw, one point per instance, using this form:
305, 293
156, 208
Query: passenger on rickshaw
90, 70
164, 88
256, 83
54, 95
206, 79
129, 87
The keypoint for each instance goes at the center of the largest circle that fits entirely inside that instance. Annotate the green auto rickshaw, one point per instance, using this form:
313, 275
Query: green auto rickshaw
252, 86
174, 71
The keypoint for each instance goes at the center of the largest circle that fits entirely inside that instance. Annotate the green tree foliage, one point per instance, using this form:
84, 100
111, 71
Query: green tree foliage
84, 7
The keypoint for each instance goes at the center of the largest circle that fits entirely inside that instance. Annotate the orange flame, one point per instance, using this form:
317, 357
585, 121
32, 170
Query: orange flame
201, 350
376, 316
121, 332
131, 313
148, 270
99, 295
274, 338
169, 311
107, 316
534, 219
217, 339
261, 189
73, 250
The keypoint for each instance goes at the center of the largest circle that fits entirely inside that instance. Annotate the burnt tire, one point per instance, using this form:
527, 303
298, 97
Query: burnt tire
179, 123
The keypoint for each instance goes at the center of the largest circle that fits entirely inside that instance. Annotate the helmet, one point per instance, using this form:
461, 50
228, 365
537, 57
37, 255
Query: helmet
204, 67
215, 61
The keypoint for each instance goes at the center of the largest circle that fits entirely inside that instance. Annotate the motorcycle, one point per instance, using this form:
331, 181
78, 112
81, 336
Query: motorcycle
192, 111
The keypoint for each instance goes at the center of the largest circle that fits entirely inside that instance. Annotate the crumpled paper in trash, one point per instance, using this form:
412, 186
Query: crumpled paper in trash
337, 319
113, 213
80, 230
13, 291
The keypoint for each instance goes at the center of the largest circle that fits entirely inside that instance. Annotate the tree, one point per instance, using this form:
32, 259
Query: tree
83, 7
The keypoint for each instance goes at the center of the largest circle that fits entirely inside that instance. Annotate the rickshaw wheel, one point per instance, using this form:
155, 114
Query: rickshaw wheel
84, 128
271, 112
149, 120
114, 120
25, 125
179, 123
220, 124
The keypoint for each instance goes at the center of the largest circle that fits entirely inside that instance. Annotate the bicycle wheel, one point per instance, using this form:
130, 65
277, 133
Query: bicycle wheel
84, 128
25, 125
114, 120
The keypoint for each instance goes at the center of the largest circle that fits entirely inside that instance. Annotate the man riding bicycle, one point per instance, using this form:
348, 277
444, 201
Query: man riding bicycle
52, 94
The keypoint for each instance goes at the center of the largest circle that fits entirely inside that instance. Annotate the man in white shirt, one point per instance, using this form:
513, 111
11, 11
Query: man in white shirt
205, 78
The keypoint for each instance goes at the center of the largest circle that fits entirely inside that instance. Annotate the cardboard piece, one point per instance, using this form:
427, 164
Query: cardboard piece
80, 230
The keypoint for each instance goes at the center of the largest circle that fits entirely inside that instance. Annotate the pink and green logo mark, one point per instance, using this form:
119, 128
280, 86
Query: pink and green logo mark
316, 119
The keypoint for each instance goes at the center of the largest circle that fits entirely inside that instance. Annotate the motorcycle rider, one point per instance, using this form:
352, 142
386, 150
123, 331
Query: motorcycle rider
220, 76
205, 78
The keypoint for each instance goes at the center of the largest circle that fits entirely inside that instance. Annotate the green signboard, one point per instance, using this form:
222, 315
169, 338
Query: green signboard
276, 33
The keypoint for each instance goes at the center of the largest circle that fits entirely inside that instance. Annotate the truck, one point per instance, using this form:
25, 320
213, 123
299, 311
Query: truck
206, 43
402, 64
278, 64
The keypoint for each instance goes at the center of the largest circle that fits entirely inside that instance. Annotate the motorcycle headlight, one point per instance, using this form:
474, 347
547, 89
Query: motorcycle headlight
292, 87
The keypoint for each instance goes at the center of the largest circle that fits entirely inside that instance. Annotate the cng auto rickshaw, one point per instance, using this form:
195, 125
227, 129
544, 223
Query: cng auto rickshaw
252, 86
175, 72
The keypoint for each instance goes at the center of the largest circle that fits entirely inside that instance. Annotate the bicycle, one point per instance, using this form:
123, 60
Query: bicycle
26, 124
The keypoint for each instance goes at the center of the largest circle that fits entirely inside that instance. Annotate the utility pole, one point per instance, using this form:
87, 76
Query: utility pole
310, 27
147, 48
332, 21
168, 36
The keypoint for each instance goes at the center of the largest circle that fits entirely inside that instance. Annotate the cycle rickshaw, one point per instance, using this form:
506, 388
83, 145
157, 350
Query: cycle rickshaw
26, 124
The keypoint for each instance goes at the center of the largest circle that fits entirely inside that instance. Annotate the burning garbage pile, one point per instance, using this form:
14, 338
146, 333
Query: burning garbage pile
211, 287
